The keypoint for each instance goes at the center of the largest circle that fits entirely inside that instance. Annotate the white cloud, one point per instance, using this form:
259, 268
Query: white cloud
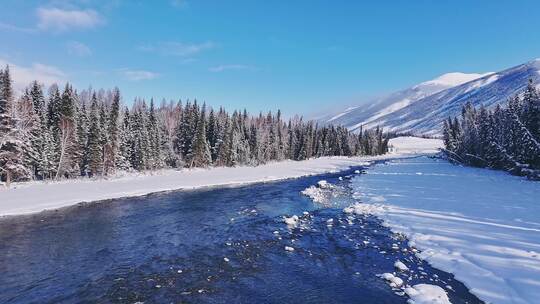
60, 20
179, 48
226, 67
138, 75
22, 76
78, 48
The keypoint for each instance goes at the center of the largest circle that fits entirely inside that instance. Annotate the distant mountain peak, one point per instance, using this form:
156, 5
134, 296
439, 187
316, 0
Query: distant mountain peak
535, 63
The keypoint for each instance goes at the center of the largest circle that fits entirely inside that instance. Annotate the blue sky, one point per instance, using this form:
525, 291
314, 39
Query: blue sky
301, 56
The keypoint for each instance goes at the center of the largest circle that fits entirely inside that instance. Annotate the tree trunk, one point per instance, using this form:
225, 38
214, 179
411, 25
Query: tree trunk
8, 179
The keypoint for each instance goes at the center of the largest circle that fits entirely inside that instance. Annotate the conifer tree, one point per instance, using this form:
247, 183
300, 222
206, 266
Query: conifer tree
500, 139
82, 139
67, 139
111, 140
201, 150
95, 149
11, 148
125, 143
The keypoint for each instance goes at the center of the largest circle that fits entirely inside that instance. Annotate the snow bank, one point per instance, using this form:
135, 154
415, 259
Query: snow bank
37, 196
481, 225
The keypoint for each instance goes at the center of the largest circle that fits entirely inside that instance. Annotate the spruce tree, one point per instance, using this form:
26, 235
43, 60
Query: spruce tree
67, 137
11, 147
125, 143
201, 150
95, 149
82, 139
111, 145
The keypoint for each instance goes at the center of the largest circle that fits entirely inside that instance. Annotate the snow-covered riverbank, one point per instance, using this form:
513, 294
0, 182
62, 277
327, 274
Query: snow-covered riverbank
37, 196
481, 225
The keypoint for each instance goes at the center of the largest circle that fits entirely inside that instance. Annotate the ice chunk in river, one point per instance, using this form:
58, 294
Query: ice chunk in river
427, 294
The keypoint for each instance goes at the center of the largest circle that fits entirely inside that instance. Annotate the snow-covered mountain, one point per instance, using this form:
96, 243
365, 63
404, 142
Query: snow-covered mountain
422, 108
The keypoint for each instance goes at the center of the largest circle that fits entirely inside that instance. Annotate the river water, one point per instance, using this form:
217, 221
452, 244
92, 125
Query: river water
214, 245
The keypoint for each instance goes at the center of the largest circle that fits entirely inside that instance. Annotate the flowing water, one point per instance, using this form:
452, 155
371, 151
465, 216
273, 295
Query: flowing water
214, 245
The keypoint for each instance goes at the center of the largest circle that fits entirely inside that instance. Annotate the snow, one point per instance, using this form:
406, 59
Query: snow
482, 82
393, 281
346, 111
481, 225
400, 266
373, 115
315, 193
409, 144
426, 294
292, 222
421, 109
323, 184
23, 198
453, 79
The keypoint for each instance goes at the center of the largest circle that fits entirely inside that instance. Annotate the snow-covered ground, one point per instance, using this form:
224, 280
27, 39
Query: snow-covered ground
481, 225
414, 145
37, 196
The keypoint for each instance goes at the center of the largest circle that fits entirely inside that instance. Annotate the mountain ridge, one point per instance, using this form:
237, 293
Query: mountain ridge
421, 109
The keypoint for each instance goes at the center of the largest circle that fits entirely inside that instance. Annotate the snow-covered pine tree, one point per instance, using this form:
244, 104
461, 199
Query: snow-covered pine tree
531, 109
155, 159
227, 153
95, 149
110, 126
47, 164
104, 135
484, 135
11, 147
500, 139
82, 139
125, 143
186, 130
38, 100
67, 139
201, 156
140, 147
38, 121
53, 109
254, 146
28, 124
212, 134
170, 114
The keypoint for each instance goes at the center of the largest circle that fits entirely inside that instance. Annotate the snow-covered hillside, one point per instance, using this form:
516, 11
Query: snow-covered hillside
355, 117
422, 108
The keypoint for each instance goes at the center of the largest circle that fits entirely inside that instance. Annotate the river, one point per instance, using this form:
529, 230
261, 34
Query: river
213, 245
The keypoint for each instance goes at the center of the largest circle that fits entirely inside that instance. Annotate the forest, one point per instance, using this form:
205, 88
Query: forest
91, 133
505, 138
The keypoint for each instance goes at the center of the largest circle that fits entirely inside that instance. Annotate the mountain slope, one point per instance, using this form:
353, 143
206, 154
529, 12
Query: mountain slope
425, 114
356, 116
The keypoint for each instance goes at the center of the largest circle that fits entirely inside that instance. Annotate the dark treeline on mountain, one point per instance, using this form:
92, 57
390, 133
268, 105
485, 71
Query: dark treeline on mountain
65, 134
503, 138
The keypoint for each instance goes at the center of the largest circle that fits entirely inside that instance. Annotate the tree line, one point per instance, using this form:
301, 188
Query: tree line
505, 138
69, 134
